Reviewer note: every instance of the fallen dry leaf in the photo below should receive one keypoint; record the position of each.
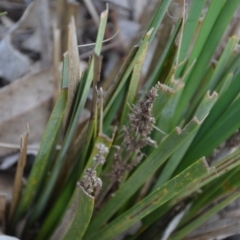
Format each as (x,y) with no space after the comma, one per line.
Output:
(30,34)
(36,18)
(27,100)
(13,64)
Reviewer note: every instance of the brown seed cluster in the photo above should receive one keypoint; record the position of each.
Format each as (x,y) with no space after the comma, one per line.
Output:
(141,120)
(118,168)
(90,181)
(136,134)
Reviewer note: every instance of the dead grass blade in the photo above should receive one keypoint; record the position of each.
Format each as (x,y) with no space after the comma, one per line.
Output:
(17,187)
(73,69)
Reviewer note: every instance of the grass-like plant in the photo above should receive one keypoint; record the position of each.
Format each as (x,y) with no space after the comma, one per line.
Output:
(140,157)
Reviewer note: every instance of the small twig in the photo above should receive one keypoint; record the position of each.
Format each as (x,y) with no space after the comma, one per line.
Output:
(108,46)
(104,41)
(101,112)
(159,130)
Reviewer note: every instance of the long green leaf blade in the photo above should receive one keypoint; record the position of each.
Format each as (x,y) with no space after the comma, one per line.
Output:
(189,30)
(72,129)
(151,202)
(209,21)
(42,161)
(175,159)
(206,54)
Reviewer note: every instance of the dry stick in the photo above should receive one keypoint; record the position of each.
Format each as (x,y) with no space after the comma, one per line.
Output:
(17,187)
(101,112)
(104,41)
(104,49)
(56,61)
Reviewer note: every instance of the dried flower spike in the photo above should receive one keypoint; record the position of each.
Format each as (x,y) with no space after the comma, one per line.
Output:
(141,119)
(141,123)
(99,158)
(118,167)
(90,179)
(136,135)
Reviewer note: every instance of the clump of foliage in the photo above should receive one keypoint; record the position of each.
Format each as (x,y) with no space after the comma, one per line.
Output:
(140,160)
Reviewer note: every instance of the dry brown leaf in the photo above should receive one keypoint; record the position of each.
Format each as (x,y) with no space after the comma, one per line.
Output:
(73,69)
(36,17)
(56,61)
(26,100)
